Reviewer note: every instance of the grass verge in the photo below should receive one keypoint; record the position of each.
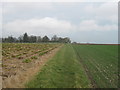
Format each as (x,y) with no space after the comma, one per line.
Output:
(62,71)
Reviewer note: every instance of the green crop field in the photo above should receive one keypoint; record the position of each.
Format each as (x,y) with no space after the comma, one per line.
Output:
(80,66)
(100,62)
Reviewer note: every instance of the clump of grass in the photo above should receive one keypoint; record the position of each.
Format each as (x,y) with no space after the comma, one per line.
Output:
(24,52)
(34,57)
(3,65)
(43,49)
(26,61)
(46,51)
(17,56)
(42,53)
(20,57)
(3,53)
(13,56)
(36,52)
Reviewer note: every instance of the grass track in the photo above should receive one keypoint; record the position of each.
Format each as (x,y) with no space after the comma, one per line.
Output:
(62,71)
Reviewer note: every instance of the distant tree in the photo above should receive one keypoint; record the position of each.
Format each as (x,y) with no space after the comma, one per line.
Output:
(67,40)
(74,42)
(60,39)
(39,39)
(32,39)
(0,40)
(54,38)
(64,40)
(3,40)
(10,39)
(20,38)
(45,39)
(25,38)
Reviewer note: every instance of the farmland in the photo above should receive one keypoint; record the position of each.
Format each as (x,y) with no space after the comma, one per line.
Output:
(100,63)
(72,66)
(80,66)
(22,56)
(62,71)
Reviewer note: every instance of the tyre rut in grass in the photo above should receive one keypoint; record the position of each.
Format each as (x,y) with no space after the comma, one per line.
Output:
(93,83)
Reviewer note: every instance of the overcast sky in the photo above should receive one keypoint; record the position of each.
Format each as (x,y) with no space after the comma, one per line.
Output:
(81,21)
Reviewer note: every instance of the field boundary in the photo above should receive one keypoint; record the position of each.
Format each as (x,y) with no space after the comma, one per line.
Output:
(94,44)
(93,83)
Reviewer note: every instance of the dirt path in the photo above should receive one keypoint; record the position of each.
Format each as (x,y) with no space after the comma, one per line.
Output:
(18,80)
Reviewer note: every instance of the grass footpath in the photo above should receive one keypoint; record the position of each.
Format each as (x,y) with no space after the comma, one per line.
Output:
(62,71)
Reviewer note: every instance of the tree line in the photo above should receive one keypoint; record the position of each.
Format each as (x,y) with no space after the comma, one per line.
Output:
(25,38)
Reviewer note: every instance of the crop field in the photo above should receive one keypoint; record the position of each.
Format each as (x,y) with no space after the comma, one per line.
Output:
(72,66)
(20,56)
(100,63)
(80,66)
